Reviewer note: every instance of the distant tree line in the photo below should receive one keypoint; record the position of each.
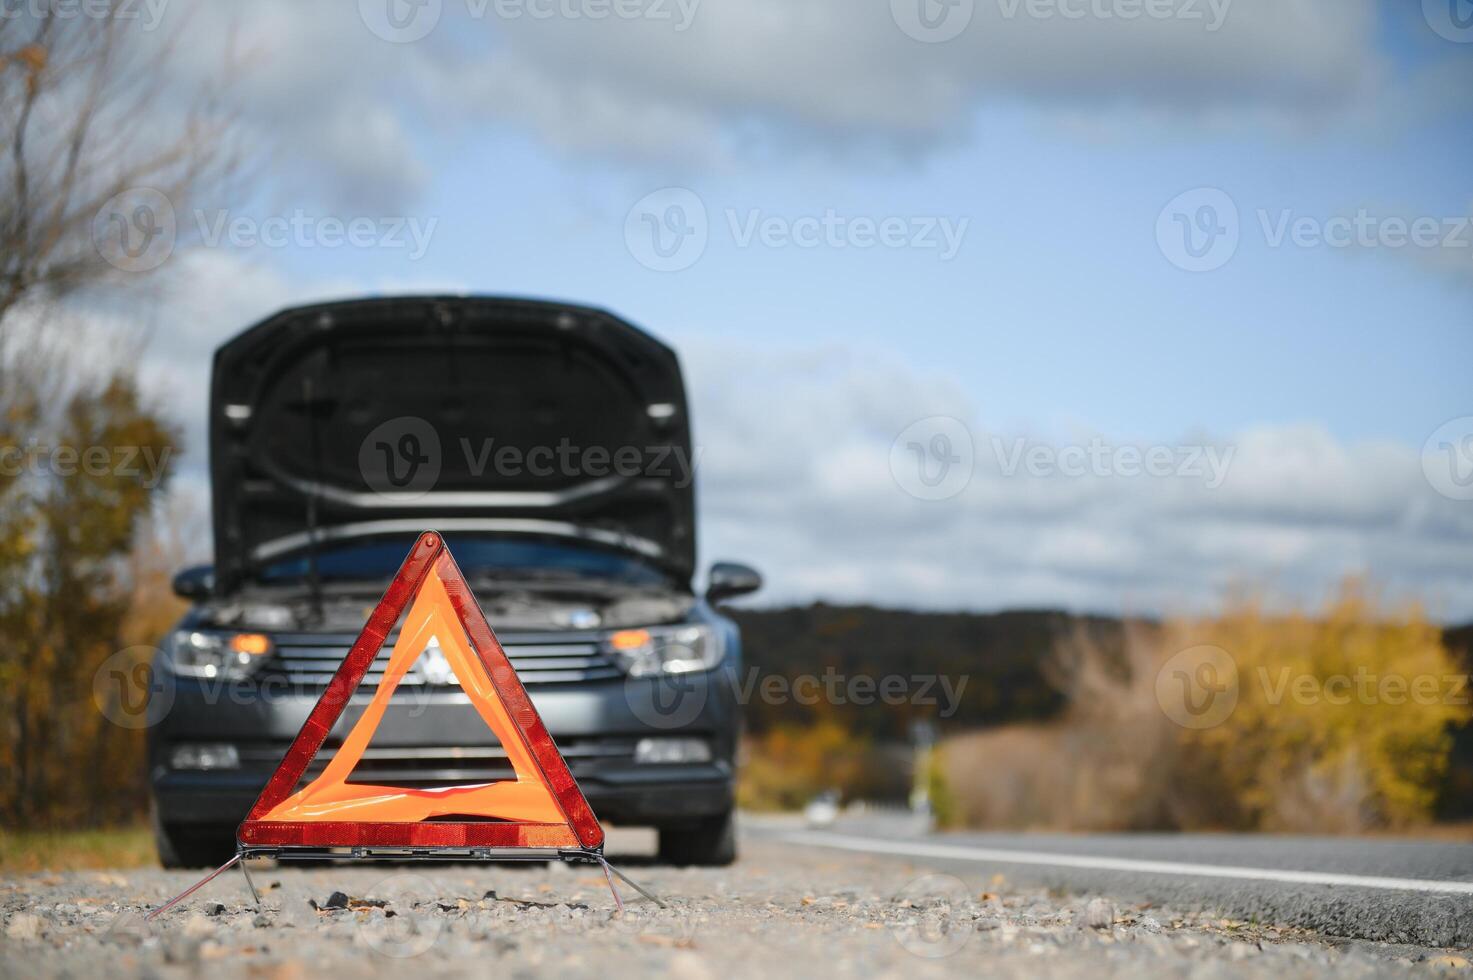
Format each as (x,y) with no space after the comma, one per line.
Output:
(1009,659)
(89,133)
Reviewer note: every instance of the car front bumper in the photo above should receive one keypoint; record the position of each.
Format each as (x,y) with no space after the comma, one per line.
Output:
(435,737)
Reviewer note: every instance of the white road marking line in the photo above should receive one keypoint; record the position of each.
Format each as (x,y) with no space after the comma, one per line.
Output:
(957,852)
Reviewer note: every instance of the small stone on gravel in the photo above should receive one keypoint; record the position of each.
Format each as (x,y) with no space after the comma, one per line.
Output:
(335,902)
(1097,913)
(23,925)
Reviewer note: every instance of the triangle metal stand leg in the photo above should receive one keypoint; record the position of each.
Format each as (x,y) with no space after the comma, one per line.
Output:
(618,902)
(610,871)
(197,886)
(255,895)
(238,861)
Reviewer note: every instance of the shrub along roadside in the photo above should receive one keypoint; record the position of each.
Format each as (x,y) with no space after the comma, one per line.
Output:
(1339,722)
(69,588)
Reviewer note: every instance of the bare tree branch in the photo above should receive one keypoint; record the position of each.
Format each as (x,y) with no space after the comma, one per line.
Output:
(87,114)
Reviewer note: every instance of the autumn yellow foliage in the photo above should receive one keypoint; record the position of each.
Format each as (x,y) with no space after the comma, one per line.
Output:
(1341,720)
(1336,721)
(74,586)
(789,765)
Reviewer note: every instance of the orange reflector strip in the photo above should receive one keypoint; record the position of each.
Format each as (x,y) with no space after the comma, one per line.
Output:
(630,639)
(255,644)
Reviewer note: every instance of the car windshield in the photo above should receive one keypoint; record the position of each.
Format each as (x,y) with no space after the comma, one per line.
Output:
(479,557)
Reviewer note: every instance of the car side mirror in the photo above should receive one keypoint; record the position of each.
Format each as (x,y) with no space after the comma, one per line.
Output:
(729,580)
(196,583)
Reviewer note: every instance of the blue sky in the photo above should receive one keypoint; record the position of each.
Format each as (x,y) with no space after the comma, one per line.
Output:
(1059,263)
(1060,318)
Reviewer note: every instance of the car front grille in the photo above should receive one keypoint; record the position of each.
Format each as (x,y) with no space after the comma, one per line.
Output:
(311,659)
(442,765)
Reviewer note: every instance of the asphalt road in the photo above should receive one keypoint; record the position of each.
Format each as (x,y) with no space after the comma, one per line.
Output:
(1387,890)
(796,904)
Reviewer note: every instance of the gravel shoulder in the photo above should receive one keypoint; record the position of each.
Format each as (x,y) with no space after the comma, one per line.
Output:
(783,910)
(1263,877)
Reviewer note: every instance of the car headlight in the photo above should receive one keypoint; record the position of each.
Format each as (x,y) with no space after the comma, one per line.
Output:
(215,654)
(665,650)
(204,757)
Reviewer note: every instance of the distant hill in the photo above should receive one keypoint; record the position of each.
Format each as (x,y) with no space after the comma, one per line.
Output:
(1457,796)
(996,660)
(1459,640)
(1002,657)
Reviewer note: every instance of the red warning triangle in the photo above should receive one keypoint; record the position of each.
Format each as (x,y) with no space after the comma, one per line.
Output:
(542,807)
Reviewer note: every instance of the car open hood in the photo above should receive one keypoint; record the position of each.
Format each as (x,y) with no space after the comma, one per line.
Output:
(397,415)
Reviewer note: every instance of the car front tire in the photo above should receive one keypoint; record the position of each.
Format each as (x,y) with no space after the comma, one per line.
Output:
(709,844)
(206,847)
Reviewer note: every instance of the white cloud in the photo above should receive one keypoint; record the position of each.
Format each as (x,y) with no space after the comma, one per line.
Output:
(321,106)
(796,478)
(316,85)
(846,72)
